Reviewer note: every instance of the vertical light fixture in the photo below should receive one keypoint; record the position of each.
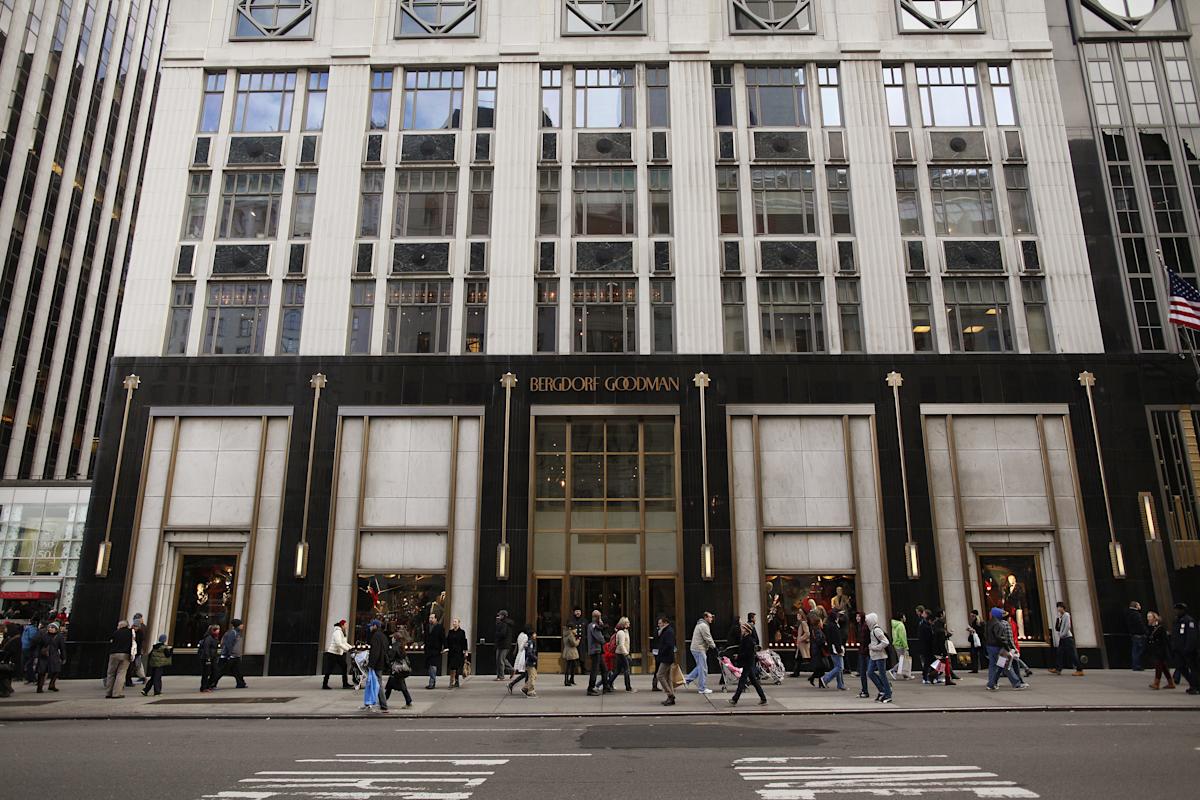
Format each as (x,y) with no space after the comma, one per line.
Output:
(1116,554)
(131,383)
(912,554)
(708,566)
(1149,520)
(503,551)
(317,382)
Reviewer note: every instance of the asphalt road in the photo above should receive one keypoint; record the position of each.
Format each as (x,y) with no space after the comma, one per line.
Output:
(1004,755)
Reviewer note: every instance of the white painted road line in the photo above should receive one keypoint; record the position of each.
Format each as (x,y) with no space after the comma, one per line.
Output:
(464,755)
(799,778)
(489,730)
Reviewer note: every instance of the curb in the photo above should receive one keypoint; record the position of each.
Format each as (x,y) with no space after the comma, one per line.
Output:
(609,714)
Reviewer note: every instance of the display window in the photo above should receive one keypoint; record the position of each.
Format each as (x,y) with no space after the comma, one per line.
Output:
(204,595)
(400,601)
(1013,582)
(789,596)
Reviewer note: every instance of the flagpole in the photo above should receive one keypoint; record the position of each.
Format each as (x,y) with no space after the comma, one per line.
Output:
(1189,338)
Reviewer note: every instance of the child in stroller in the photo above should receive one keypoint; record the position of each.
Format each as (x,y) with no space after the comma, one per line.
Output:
(768,666)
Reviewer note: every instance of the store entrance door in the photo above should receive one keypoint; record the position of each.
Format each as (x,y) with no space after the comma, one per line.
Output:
(615,596)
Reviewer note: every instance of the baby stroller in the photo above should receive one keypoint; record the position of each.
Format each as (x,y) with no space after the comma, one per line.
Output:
(770,666)
(730,674)
(358,665)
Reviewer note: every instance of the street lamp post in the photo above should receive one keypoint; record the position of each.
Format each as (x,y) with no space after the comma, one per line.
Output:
(708,565)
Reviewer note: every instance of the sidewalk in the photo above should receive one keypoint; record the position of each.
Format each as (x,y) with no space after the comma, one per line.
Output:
(481,697)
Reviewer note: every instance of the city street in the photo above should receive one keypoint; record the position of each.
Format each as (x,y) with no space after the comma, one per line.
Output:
(1017,755)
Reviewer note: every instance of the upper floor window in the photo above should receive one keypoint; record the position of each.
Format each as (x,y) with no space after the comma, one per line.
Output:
(949,96)
(264,102)
(274,19)
(425,202)
(314,111)
(605,202)
(420,18)
(214,96)
(433,99)
(604,16)
(1002,94)
(939,15)
(963,202)
(777,96)
(771,16)
(485,98)
(784,201)
(1129,16)
(604,97)
(893,92)
(250,205)
(381,99)
(552,97)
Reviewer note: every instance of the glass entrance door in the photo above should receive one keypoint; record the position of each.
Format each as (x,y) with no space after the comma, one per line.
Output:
(615,597)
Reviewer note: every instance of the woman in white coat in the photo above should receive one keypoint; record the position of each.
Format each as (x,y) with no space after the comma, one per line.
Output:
(520,673)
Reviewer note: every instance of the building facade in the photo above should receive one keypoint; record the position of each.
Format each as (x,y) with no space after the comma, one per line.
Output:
(77,80)
(651,306)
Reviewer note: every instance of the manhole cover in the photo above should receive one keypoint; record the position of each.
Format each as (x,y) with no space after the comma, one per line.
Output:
(205,701)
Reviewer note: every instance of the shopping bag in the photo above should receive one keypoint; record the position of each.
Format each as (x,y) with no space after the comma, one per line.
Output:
(676,675)
(893,658)
(371,688)
(951,650)
(1002,661)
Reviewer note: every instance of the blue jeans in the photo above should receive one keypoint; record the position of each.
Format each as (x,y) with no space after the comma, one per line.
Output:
(433,670)
(700,673)
(878,674)
(1138,647)
(836,672)
(994,669)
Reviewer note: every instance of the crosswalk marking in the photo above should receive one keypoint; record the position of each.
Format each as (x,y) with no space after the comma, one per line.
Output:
(799,778)
(428,776)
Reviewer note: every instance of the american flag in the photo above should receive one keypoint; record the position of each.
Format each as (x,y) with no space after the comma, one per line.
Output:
(1185,303)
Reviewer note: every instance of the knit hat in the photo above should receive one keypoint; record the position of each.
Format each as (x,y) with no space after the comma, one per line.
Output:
(341,622)
(997,613)
(373,623)
(162,638)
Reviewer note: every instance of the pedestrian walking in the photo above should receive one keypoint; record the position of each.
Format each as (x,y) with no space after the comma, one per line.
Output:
(502,636)
(1135,623)
(456,652)
(862,641)
(49,649)
(1000,647)
(30,631)
(531,662)
(1019,665)
(519,675)
(702,643)
(976,633)
(900,642)
(1065,653)
(821,663)
(399,667)
(803,652)
(10,658)
(377,665)
(435,645)
(1158,647)
(137,662)
(836,642)
(1186,646)
(231,655)
(120,647)
(624,663)
(925,645)
(570,655)
(157,661)
(747,655)
(877,649)
(595,640)
(335,655)
(579,626)
(664,659)
(943,647)
(206,653)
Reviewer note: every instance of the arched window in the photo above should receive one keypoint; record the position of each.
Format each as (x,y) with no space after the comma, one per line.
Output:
(274,19)
(422,18)
(939,15)
(1128,16)
(604,16)
(771,16)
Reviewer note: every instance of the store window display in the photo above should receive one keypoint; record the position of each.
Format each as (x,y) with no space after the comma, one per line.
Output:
(400,602)
(204,596)
(788,596)
(1013,582)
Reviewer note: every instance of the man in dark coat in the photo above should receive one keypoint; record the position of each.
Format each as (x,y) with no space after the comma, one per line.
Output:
(206,653)
(1135,623)
(1185,644)
(747,655)
(435,643)
(925,645)
(664,659)
(231,655)
(595,649)
(504,641)
(119,648)
(379,659)
(50,649)
(836,640)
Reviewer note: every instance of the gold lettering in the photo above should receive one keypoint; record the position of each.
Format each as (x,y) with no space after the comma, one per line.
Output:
(613,383)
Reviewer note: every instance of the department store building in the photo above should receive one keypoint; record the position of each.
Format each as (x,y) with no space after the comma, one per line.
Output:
(652,306)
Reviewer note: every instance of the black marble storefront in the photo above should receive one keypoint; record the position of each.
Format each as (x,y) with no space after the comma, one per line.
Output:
(1125,386)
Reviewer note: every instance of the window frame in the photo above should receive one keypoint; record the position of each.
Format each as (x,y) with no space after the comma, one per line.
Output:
(411,96)
(229,204)
(444,30)
(999,302)
(242,96)
(615,27)
(771,306)
(775,25)
(306,15)
(442,310)
(618,293)
(402,207)
(938,24)
(628,202)
(212,317)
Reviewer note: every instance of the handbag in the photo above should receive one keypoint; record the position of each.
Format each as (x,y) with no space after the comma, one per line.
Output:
(401,666)
(893,658)
(676,675)
(466,670)
(951,650)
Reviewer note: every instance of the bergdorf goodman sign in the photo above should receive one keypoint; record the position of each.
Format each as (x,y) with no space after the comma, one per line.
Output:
(613,383)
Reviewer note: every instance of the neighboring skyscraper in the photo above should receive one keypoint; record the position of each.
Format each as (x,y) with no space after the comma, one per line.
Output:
(445,306)
(77,81)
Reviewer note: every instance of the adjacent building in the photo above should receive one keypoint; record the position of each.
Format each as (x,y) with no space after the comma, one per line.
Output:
(76,93)
(438,308)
